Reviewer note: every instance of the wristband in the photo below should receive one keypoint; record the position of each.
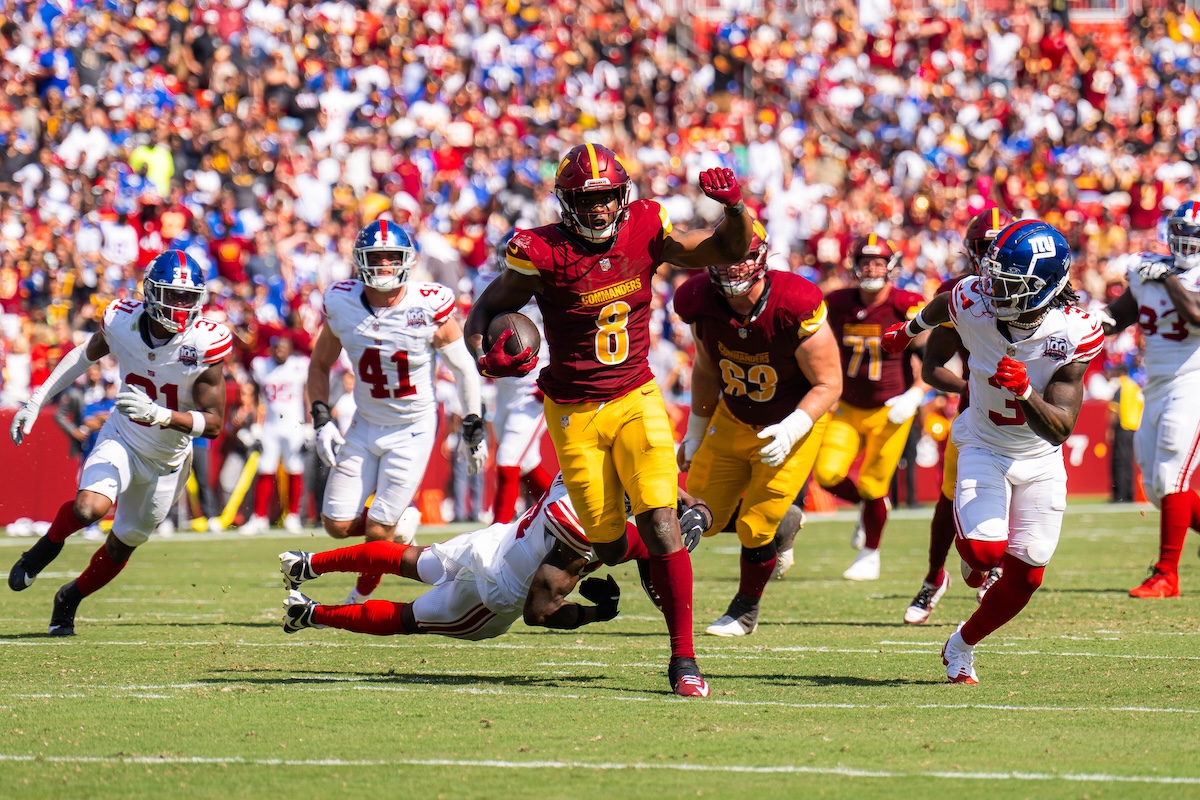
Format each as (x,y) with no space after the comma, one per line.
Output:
(736,210)
(197,423)
(320,414)
(919,321)
(1025,394)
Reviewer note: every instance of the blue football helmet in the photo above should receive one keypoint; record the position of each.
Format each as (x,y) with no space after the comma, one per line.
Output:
(1026,267)
(384,253)
(174,289)
(1183,231)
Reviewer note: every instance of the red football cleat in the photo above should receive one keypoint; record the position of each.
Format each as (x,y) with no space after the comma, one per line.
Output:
(1159,584)
(686,680)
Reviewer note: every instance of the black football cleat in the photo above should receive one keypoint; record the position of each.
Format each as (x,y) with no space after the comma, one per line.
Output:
(32,562)
(66,603)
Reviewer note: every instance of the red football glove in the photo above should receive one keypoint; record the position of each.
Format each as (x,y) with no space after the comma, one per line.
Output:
(1011,375)
(496,363)
(896,338)
(720,184)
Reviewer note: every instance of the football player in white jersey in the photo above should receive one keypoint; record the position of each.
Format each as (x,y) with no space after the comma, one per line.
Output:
(172,389)
(1029,347)
(390,327)
(483,581)
(1163,300)
(280,378)
(518,423)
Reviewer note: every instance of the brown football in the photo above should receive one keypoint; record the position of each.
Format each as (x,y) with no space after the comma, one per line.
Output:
(525,333)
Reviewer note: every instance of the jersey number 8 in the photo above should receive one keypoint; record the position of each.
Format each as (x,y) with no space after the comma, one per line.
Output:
(612,339)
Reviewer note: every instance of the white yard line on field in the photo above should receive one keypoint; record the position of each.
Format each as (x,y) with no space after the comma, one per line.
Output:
(608,766)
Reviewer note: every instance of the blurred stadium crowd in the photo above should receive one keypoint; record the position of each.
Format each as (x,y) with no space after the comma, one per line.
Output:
(259,136)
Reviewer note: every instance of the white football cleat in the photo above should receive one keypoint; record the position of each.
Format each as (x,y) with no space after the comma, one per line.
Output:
(298,612)
(406,528)
(785,539)
(959,658)
(926,601)
(785,560)
(254,526)
(355,598)
(740,619)
(215,525)
(865,566)
(291,523)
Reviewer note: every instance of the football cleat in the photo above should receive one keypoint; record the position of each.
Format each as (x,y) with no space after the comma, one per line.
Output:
(1160,584)
(297,612)
(959,658)
(784,561)
(291,523)
(926,601)
(686,679)
(741,619)
(32,562)
(406,528)
(354,598)
(643,566)
(254,526)
(989,581)
(865,566)
(66,603)
(858,539)
(785,540)
(296,566)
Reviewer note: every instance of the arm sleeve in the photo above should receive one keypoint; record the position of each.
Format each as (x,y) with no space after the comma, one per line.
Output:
(466,378)
(72,365)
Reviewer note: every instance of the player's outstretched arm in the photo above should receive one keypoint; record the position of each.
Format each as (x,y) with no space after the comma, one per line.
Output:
(1052,414)
(448,341)
(1119,314)
(899,336)
(940,347)
(509,292)
(728,243)
(70,367)
(546,605)
(1187,303)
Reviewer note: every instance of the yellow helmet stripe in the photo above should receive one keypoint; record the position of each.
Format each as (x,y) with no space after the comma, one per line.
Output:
(591,151)
(871,240)
(996,218)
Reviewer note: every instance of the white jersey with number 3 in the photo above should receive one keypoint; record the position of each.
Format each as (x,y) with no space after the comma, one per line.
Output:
(1172,345)
(166,374)
(995,419)
(391,349)
(282,387)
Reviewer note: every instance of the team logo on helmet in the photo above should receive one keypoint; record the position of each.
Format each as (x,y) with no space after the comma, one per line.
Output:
(1183,231)
(1026,267)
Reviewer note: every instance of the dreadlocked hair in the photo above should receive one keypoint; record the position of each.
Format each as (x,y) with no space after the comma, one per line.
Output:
(1067,297)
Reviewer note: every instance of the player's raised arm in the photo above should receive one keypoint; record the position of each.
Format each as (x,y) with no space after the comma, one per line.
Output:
(729,242)
(546,605)
(510,291)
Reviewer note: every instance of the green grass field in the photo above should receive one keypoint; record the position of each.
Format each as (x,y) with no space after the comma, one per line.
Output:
(181,683)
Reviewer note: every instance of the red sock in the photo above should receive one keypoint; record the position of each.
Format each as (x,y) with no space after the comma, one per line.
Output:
(295,492)
(672,578)
(367,583)
(1173,521)
(65,523)
(1195,498)
(981,555)
(262,494)
(846,490)
(377,617)
(538,481)
(637,548)
(874,518)
(941,538)
(508,486)
(99,572)
(380,557)
(1004,600)
(755,574)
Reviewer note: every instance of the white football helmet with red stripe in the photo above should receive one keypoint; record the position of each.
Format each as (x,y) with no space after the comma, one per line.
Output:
(384,253)
(174,290)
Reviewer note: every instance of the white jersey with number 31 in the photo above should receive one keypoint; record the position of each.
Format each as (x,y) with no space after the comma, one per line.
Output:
(391,349)
(166,374)
(995,419)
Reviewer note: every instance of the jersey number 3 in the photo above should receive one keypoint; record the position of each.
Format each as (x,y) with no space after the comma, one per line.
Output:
(370,371)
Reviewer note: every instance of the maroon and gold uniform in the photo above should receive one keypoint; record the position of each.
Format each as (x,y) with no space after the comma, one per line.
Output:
(603,409)
(761,383)
(871,378)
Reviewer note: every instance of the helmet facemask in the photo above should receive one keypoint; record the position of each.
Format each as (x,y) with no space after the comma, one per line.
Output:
(1009,295)
(875,283)
(384,268)
(1184,241)
(173,307)
(581,217)
(738,279)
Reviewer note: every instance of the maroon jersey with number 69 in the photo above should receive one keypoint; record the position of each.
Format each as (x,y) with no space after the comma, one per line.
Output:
(871,376)
(761,382)
(595,304)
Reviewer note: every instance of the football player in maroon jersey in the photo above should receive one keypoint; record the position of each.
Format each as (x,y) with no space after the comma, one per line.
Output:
(940,347)
(766,368)
(880,395)
(591,275)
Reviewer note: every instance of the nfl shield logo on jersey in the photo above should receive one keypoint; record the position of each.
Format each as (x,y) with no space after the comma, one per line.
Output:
(1056,348)
(189,356)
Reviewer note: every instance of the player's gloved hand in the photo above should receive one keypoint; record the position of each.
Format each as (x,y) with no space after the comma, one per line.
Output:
(1011,375)
(903,407)
(783,437)
(23,421)
(696,428)
(606,594)
(472,444)
(329,439)
(496,363)
(137,405)
(694,522)
(896,338)
(720,184)
(1156,267)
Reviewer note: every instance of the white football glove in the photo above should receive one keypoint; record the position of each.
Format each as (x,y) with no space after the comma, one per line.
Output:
(476,456)
(697,426)
(1155,269)
(903,407)
(23,421)
(784,436)
(137,405)
(329,439)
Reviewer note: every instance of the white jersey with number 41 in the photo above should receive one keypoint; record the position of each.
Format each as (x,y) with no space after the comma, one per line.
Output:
(391,349)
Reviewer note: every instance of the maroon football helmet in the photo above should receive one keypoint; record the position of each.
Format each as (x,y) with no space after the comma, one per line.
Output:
(590,176)
(737,279)
(981,232)
(866,249)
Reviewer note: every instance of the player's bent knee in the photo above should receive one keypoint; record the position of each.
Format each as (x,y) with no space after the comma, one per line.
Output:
(91,507)
(981,554)
(338,529)
(1023,576)
(1038,554)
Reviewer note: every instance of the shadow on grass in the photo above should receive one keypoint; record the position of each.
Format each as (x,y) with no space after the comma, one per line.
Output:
(834,680)
(324,678)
